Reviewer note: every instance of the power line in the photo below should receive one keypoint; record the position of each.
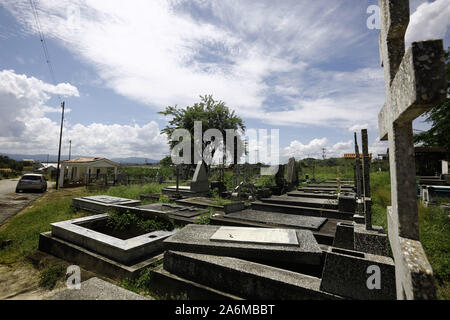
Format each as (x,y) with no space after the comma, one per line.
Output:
(52,74)
(43,43)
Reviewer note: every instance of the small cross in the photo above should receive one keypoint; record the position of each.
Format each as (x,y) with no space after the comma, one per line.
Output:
(415,82)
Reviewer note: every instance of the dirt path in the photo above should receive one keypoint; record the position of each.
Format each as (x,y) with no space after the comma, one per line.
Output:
(11,202)
(21,282)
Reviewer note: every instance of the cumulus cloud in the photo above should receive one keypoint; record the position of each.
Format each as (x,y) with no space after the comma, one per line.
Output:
(168,52)
(358,127)
(314,149)
(24,127)
(431,20)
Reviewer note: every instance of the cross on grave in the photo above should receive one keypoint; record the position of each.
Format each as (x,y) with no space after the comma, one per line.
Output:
(415,82)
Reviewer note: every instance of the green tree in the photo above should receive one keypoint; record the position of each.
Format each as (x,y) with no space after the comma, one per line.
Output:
(439,116)
(213,115)
(166,161)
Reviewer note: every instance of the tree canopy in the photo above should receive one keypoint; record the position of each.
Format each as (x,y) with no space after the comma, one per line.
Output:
(439,116)
(212,113)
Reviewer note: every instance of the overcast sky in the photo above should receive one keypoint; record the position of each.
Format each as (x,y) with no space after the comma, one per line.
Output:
(308,68)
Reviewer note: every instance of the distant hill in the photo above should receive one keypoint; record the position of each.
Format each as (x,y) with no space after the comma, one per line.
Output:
(54,158)
(134,160)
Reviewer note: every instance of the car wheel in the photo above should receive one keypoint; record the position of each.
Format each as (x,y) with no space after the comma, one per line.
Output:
(18,190)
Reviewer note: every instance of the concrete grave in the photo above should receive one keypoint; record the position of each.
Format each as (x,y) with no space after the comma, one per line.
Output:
(256,235)
(102,203)
(197,239)
(415,81)
(278,219)
(81,232)
(169,208)
(255,280)
(204,202)
(347,274)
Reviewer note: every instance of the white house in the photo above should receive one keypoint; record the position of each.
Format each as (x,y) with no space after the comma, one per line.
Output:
(78,169)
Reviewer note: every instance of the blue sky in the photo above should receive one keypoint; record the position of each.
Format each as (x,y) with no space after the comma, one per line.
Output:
(308,68)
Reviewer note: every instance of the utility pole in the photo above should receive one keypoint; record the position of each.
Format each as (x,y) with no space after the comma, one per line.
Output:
(324,154)
(59,149)
(70,148)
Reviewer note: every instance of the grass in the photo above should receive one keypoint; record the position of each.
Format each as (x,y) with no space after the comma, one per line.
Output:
(134,191)
(434,227)
(24,228)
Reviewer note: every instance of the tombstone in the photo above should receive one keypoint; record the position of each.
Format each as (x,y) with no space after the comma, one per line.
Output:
(415,82)
(200,181)
(292,174)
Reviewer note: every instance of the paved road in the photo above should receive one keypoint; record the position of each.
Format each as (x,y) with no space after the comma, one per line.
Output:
(11,202)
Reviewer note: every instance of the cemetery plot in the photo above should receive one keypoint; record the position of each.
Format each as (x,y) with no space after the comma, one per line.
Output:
(244,279)
(127,249)
(197,239)
(278,219)
(306,202)
(173,209)
(221,204)
(102,203)
(256,235)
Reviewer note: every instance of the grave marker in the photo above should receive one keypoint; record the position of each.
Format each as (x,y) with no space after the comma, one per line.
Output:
(415,82)
(200,180)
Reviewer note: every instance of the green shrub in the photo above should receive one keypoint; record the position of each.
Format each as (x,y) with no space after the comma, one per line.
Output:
(50,276)
(123,219)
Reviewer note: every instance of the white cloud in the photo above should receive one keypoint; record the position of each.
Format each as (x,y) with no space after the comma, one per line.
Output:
(314,149)
(168,52)
(25,129)
(297,149)
(431,20)
(358,127)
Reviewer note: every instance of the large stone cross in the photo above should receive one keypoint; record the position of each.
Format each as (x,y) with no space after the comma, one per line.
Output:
(415,82)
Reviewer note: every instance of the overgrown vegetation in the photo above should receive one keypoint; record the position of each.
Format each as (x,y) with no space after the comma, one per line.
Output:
(121,220)
(205,218)
(23,229)
(50,276)
(133,191)
(434,227)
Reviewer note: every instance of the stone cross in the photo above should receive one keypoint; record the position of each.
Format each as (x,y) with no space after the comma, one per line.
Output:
(415,82)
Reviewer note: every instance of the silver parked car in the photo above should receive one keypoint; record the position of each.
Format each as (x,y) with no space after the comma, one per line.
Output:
(32,182)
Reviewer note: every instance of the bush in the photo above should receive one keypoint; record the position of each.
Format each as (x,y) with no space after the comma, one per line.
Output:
(121,220)
(50,276)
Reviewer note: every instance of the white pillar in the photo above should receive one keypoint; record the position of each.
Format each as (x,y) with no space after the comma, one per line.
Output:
(115,174)
(444,167)
(69,173)
(61,177)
